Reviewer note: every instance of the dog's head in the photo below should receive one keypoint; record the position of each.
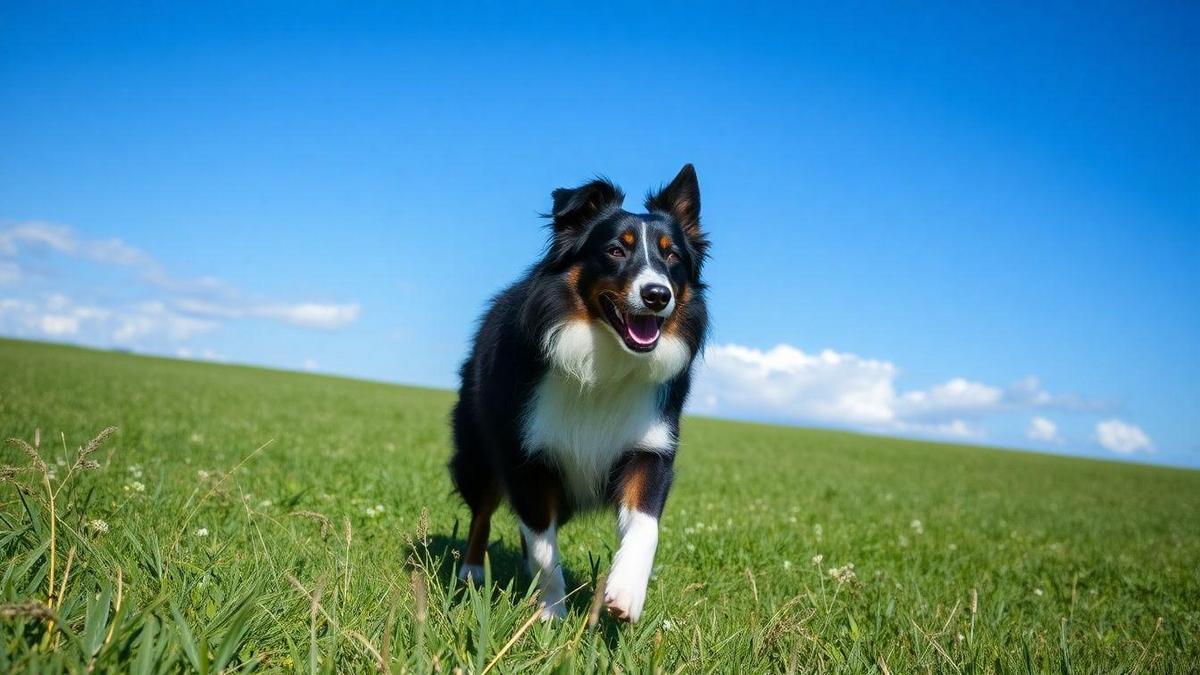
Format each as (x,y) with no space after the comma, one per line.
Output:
(634,273)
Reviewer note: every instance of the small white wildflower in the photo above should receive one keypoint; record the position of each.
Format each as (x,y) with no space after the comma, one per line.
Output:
(791,519)
(818,531)
(371,512)
(135,486)
(691,547)
(265,503)
(787,564)
(903,540)
(60,461)
(1038,592)
(98,526)
(667,625)
(135,470)
(195,437)
(202,474)
(918,527)
(818,559)
(202,532)
(953,547)
(379,508)
(842,574)
(961,637)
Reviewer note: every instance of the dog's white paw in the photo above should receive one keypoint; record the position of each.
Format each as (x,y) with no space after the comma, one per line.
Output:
(471,573)
(625,594)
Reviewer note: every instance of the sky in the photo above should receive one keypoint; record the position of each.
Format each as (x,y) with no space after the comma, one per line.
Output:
(964,222)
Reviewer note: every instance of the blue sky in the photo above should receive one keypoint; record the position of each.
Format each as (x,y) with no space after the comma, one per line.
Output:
(974,223)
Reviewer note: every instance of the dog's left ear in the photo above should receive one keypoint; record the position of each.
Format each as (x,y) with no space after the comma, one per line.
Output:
(681,200)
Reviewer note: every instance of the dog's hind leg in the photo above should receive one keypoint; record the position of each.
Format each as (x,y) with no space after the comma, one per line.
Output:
(477,483)
(481,528)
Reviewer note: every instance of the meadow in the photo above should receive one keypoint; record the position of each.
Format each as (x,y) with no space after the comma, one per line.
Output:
(245,519)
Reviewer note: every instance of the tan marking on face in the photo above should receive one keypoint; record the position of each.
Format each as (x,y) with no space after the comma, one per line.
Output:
(604,286)
(627,238)
(579,309)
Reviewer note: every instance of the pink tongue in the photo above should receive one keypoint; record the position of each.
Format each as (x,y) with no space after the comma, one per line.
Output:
(643,329)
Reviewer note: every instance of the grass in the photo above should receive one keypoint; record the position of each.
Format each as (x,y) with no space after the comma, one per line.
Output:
(781,548)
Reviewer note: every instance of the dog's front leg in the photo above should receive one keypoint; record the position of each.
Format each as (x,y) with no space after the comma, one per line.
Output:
(536,494)
(641,482)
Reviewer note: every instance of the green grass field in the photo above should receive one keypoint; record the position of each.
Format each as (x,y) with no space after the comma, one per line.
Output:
(246,519)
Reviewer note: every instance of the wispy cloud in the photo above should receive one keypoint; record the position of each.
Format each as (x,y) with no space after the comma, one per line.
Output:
(830,387)
(304,314)
(180,308)
(60,317)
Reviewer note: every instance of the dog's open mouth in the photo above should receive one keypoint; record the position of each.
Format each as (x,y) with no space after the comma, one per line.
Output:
(640,332)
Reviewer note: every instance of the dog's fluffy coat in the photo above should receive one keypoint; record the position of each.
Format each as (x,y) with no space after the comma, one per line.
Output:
(571,397)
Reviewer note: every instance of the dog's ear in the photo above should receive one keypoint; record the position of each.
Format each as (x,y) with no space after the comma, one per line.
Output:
(681,200)
(574,208)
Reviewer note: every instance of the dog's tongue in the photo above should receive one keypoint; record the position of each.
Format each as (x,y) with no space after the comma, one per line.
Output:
(643,329)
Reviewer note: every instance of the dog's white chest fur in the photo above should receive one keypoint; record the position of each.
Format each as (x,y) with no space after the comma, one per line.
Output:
(597,402)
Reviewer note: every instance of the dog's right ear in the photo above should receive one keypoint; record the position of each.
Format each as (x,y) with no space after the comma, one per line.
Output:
(575,208)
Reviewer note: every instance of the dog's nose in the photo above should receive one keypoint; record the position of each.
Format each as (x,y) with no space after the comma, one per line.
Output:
(656,297)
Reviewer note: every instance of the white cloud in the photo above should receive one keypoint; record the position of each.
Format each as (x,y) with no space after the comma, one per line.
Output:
(202,355)
(310,314)
(1042,429)
(787,384)
(957,395)
(117,252)
(155,318)
(956,428)
(59,324)
(58,316)
(1122,438)
(197,302)
(38,234)
(307,314)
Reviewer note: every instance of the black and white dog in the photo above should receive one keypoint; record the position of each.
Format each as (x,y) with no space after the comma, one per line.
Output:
(572,394)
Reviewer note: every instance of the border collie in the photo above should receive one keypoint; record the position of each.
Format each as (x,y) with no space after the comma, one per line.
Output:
(572,394)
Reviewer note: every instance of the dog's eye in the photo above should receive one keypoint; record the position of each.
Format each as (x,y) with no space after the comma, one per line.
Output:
(672,257)
(616,251)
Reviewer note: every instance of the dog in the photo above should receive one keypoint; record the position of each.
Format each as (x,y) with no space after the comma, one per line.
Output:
(572,394)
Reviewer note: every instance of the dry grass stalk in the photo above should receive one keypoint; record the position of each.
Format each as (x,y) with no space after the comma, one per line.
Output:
(94,444)
(326,524)
(420,595)
(32,451)
(27,610)
(537,614)
(379,662)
